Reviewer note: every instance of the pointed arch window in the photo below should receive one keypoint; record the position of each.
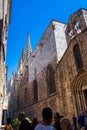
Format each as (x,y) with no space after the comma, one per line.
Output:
(50,76)
(77,56)
(35,87)
(25,95)
(18,102)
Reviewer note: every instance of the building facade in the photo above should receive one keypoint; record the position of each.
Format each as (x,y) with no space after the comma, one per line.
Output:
(55,73)
(5,12)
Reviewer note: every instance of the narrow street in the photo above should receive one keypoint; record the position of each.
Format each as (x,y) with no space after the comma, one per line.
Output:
(45,66)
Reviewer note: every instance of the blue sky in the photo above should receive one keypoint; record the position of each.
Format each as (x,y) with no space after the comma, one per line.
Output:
(34,16)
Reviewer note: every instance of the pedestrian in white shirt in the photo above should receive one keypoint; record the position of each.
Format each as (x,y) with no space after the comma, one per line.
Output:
(47,119)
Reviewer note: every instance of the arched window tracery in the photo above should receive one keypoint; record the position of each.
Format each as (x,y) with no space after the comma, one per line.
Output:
(50,77)
(77,56)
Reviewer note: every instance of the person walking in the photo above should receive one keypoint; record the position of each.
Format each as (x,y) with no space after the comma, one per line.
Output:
(65,124)
(25,125)
(81,120)
(85,120)
(15,123)
(57,121)
(47,119)
(8,125)
(74,120)
(34,123)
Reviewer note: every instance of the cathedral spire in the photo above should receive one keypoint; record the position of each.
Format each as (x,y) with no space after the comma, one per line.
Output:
(22,54)
(28,49)
(12,78)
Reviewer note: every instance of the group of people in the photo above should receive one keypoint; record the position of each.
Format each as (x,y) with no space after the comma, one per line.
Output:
(60,122)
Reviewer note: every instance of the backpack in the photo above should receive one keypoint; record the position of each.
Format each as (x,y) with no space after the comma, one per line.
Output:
(8,127)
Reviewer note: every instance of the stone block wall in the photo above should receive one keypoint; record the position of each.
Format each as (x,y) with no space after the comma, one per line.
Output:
(47,49)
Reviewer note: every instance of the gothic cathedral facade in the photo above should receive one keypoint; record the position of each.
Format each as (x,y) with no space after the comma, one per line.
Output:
(55,73)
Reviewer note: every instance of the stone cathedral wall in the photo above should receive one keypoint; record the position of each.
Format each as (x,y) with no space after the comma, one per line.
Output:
(45,53)
(65,70)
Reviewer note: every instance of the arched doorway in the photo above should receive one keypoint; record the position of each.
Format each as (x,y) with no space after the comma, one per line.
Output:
(79,89)
(85,93)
